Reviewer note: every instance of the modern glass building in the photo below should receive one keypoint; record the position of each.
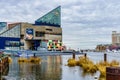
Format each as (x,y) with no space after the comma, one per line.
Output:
(45,33)
(53,18)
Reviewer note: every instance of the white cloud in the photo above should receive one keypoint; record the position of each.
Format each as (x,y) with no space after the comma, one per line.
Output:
(85,23)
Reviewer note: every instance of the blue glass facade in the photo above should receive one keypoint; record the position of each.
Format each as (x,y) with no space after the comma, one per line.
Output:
(9,42)
(10,39)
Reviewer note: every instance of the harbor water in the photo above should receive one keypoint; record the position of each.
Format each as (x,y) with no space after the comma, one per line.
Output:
(54,68)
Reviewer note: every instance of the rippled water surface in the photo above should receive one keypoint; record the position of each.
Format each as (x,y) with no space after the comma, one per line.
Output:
(53,68)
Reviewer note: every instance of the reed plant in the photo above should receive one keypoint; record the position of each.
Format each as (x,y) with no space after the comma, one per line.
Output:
(31,59)
(22,59)
(9,59)
(89,67)
(85,63)
(72,62)
(34,59)
(103,64)
(114,63)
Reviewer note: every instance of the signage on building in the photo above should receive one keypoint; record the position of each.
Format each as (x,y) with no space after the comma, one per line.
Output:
(54,44)
(29,33)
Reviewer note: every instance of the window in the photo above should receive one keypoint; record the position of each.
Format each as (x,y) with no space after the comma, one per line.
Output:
(49,29)
(12,43)
(22,36)
(39,34)
(22,43)
(7,43)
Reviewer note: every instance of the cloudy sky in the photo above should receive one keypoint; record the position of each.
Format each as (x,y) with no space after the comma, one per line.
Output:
(85,23)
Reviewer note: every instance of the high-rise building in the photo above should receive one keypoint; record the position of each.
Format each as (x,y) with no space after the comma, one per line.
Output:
(46,32)
(115,38)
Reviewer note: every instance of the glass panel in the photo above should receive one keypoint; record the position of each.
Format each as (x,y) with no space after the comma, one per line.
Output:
(14,32)
(52,18)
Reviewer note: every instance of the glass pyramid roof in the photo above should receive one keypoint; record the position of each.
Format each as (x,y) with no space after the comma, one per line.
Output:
(52,18)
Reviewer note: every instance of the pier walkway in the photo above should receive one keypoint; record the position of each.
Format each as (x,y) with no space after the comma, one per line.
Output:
(41,53)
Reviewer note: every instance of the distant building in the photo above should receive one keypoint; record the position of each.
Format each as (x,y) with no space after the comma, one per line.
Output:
(115,43)
(45,33)
(102,47)
(115,38)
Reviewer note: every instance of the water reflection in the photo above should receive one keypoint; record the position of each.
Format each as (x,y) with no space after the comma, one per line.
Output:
(102,77)
(84,73)
(53,68)
(48,69)
(74,73)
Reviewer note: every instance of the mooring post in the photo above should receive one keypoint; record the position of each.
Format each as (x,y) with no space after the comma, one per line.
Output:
(105,57)
(85,55)
(34,55)
(73,54)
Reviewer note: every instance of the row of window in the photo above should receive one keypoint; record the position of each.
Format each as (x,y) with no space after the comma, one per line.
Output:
(12,48)
(12,43)
(39,34)
(42,34)
(49,29)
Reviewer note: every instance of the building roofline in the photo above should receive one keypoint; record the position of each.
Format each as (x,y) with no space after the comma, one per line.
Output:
(41,21)
(8,29)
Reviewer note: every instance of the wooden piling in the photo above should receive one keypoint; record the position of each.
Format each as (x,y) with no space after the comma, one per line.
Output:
(105,57)
(85,55)
(73,55)
(113,73)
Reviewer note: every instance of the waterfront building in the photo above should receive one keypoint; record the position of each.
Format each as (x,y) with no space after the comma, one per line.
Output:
(115,43)
(46,33)
(102,47)
(115,38)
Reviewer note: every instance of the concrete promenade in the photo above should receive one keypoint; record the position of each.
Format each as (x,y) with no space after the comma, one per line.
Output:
(41,53)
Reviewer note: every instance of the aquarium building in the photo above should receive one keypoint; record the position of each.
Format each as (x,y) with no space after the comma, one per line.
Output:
(46,33)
